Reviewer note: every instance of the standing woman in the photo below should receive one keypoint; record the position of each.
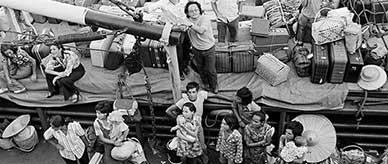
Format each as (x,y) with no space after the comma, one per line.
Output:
(63,69)
(69,138)
(257,136)
(190,150)
(17,64)
(201,36)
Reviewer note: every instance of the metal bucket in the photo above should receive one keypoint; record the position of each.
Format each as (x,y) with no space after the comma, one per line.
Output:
(26,139)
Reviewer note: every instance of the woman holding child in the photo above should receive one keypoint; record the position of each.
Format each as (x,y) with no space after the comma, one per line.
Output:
(189,147)
(292,144)
(110,130)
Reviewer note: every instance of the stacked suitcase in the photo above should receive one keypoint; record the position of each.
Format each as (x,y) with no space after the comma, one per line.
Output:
(153,54)
(338,61)
(320,64)
(236,58)
(354,66)
(332,63)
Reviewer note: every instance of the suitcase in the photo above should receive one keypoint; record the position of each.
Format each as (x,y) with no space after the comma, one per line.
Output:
(379,7)
(354,66)
(320,63)
(39,18)
(153,54)
(338,62)
(236,57)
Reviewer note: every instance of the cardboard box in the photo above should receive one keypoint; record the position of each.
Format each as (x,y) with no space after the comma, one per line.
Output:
(253,11)
(275,36)
(260,27)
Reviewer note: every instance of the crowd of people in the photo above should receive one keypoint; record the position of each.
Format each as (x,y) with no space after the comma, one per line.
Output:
(244,136)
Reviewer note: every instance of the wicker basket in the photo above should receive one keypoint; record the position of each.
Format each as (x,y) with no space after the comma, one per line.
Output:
(272,69)
(352,154)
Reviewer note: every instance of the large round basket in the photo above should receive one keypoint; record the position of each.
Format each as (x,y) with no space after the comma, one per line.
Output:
(5,143)
(26,139)
(352,154)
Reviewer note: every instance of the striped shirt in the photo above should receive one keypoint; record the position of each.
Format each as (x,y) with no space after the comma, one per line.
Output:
(73,146)
(231,147)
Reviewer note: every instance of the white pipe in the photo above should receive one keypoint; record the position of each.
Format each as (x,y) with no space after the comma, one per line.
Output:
(49,8)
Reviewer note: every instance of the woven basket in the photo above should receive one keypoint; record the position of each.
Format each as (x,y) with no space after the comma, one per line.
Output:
(347,158)
(272,69)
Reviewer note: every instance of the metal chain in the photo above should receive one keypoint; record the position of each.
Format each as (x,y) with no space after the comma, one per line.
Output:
(148,87)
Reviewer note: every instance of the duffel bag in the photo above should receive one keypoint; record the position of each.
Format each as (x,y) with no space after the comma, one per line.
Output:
(301,62)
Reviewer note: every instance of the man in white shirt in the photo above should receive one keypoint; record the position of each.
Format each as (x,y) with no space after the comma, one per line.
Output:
(227,12)
(197,97)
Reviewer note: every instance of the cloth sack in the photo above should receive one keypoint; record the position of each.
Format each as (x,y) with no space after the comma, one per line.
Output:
(124,151)
(353,37)
(327,29)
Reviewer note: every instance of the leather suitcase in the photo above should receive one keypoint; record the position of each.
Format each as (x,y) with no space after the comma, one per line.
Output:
(354,66)
(223,61)
(338,62)
(236,57)
(320,64)
(380,7)
(153,54)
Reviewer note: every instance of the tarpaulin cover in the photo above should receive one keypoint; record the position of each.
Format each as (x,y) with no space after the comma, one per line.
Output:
(100,84)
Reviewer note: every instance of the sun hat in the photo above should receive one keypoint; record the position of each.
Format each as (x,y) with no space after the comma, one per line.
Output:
(16,126)
(372,77)
(320,135)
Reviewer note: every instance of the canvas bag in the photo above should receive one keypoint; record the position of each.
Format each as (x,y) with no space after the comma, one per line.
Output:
(327,29)
(302,62)
(353,37)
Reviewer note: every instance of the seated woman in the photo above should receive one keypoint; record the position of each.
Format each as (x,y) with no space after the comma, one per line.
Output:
(63,68)
(17,64)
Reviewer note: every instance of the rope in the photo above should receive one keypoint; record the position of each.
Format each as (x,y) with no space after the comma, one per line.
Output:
(360,113)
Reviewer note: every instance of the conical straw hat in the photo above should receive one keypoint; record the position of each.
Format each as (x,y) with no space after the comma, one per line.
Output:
(320,134)
(16,126)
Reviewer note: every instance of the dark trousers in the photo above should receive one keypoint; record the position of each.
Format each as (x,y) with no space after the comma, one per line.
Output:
(183,52)
(206,63)
(231,26)
(66,84)
(83,160)
(49,78)
(303,33)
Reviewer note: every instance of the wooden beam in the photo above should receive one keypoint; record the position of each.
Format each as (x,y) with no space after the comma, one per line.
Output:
(43,118)
(172,61)
(282,123)
(12,17)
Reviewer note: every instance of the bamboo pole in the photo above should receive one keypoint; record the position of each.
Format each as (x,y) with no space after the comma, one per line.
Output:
(172,61)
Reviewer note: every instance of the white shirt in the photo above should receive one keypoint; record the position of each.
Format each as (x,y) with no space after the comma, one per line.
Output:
(97,127)
(173,13)
(198,103)
(228,8)
(73,146)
